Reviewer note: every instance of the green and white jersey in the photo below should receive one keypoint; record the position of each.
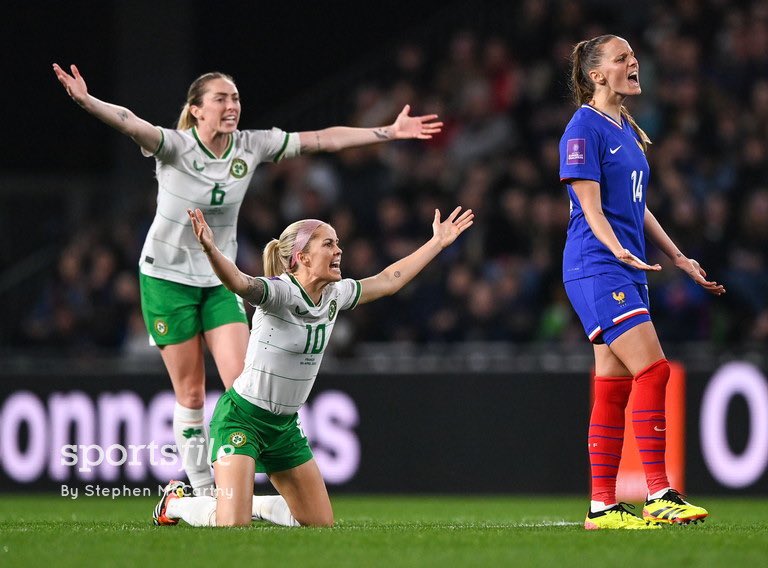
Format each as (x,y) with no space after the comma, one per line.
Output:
(189,175)
(288,338)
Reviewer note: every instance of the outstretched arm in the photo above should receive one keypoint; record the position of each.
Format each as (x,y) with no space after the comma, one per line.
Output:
(659,237)
(399,273)
(588,192)
(249,288)
(339,137)
(119,118)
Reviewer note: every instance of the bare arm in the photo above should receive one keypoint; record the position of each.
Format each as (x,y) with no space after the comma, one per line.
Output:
(119,118)
(339,137)
(588,193)
(249,288)
(659,237)
(399,273)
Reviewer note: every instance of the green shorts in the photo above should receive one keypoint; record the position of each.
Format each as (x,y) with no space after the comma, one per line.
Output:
(275,442)
(176,312)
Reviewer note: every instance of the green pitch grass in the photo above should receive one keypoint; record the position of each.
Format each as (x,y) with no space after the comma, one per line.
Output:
(53,531)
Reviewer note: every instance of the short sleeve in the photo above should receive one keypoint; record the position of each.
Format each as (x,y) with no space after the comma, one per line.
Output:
(349,293)
(580,154)
(272,145)
(277,293)
(170,142)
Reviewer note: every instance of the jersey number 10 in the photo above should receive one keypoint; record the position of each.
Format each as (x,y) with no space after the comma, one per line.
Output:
(319,339)
(637,186)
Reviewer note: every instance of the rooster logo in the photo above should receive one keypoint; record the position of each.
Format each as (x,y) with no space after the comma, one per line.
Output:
(619,297)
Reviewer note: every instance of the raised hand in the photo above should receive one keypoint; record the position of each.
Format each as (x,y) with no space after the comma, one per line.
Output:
(447,231)
(202,230)
(693,269)
(627,257)
(74,84)
(421,127)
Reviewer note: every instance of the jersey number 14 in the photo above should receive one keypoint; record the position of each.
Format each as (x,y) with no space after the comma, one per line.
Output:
(637,186)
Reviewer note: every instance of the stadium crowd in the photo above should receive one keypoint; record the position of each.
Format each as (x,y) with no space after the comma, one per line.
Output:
(704,74)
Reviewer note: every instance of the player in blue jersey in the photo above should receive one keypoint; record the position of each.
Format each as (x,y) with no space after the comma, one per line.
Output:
(603,165)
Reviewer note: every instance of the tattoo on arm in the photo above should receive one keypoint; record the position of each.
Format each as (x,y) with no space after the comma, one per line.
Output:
(397,274)
(317,140)
(255,292)
(381,133)
(122,115)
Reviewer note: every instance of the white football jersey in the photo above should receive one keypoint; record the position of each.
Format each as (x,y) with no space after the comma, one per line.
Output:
(288,338)
(189,175)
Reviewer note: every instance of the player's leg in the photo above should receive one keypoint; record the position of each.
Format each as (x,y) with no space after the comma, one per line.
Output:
(172,316)
(225,328)
(305,493)
(234,489)
(639,349)
(185,365)
(612,387)
(177,503)
(228,344)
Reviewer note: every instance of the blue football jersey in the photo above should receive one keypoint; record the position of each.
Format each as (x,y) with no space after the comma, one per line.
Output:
(595,147)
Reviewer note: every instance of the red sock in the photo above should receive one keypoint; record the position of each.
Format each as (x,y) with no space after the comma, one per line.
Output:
(650,423)
(606,435)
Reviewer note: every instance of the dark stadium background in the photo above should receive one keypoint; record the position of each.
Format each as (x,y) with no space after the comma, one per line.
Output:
(298,66)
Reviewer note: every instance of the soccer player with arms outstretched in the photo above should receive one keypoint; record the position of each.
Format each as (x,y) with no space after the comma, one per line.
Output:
(207,162)
(603,164)
(255,424)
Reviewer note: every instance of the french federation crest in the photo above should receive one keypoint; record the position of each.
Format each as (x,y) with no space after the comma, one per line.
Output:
(239,168)
(619,297)
(332,310)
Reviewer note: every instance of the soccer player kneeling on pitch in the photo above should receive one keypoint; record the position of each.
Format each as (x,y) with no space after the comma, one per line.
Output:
(255,426)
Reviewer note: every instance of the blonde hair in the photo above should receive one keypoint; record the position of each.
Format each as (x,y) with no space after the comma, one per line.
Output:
(279,252)
(586,56)
(195,98)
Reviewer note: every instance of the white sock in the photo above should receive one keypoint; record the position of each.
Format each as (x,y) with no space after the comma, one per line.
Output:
(197,511)
(658,493)
(599,506)
(274,509)
(192,444)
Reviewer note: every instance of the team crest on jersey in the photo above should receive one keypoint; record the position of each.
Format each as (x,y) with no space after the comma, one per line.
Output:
(238,439)
(332,310)
(575,151)
(619,297)
(161,327)
(239,168)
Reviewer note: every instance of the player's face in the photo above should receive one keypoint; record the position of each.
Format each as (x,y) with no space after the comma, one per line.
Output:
(325,254)
(619,68)
(220,110)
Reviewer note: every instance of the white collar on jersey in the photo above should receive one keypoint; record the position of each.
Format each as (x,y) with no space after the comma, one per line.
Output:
(601,113)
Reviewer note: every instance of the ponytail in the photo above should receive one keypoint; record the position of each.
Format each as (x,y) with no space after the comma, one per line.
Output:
(644,138)
(273,263)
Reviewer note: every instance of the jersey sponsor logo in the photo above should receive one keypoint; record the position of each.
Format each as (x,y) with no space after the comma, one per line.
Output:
(575,151)
(619,297)
(161,327)
(614,150)
(239,168)
(300,313)
(198,168)
(238,439)
(332,310)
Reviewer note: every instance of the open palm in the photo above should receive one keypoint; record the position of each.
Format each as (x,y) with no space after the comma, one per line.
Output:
(447,231)
(421,127)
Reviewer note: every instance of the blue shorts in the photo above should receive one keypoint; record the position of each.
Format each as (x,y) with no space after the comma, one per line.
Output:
(608,305)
